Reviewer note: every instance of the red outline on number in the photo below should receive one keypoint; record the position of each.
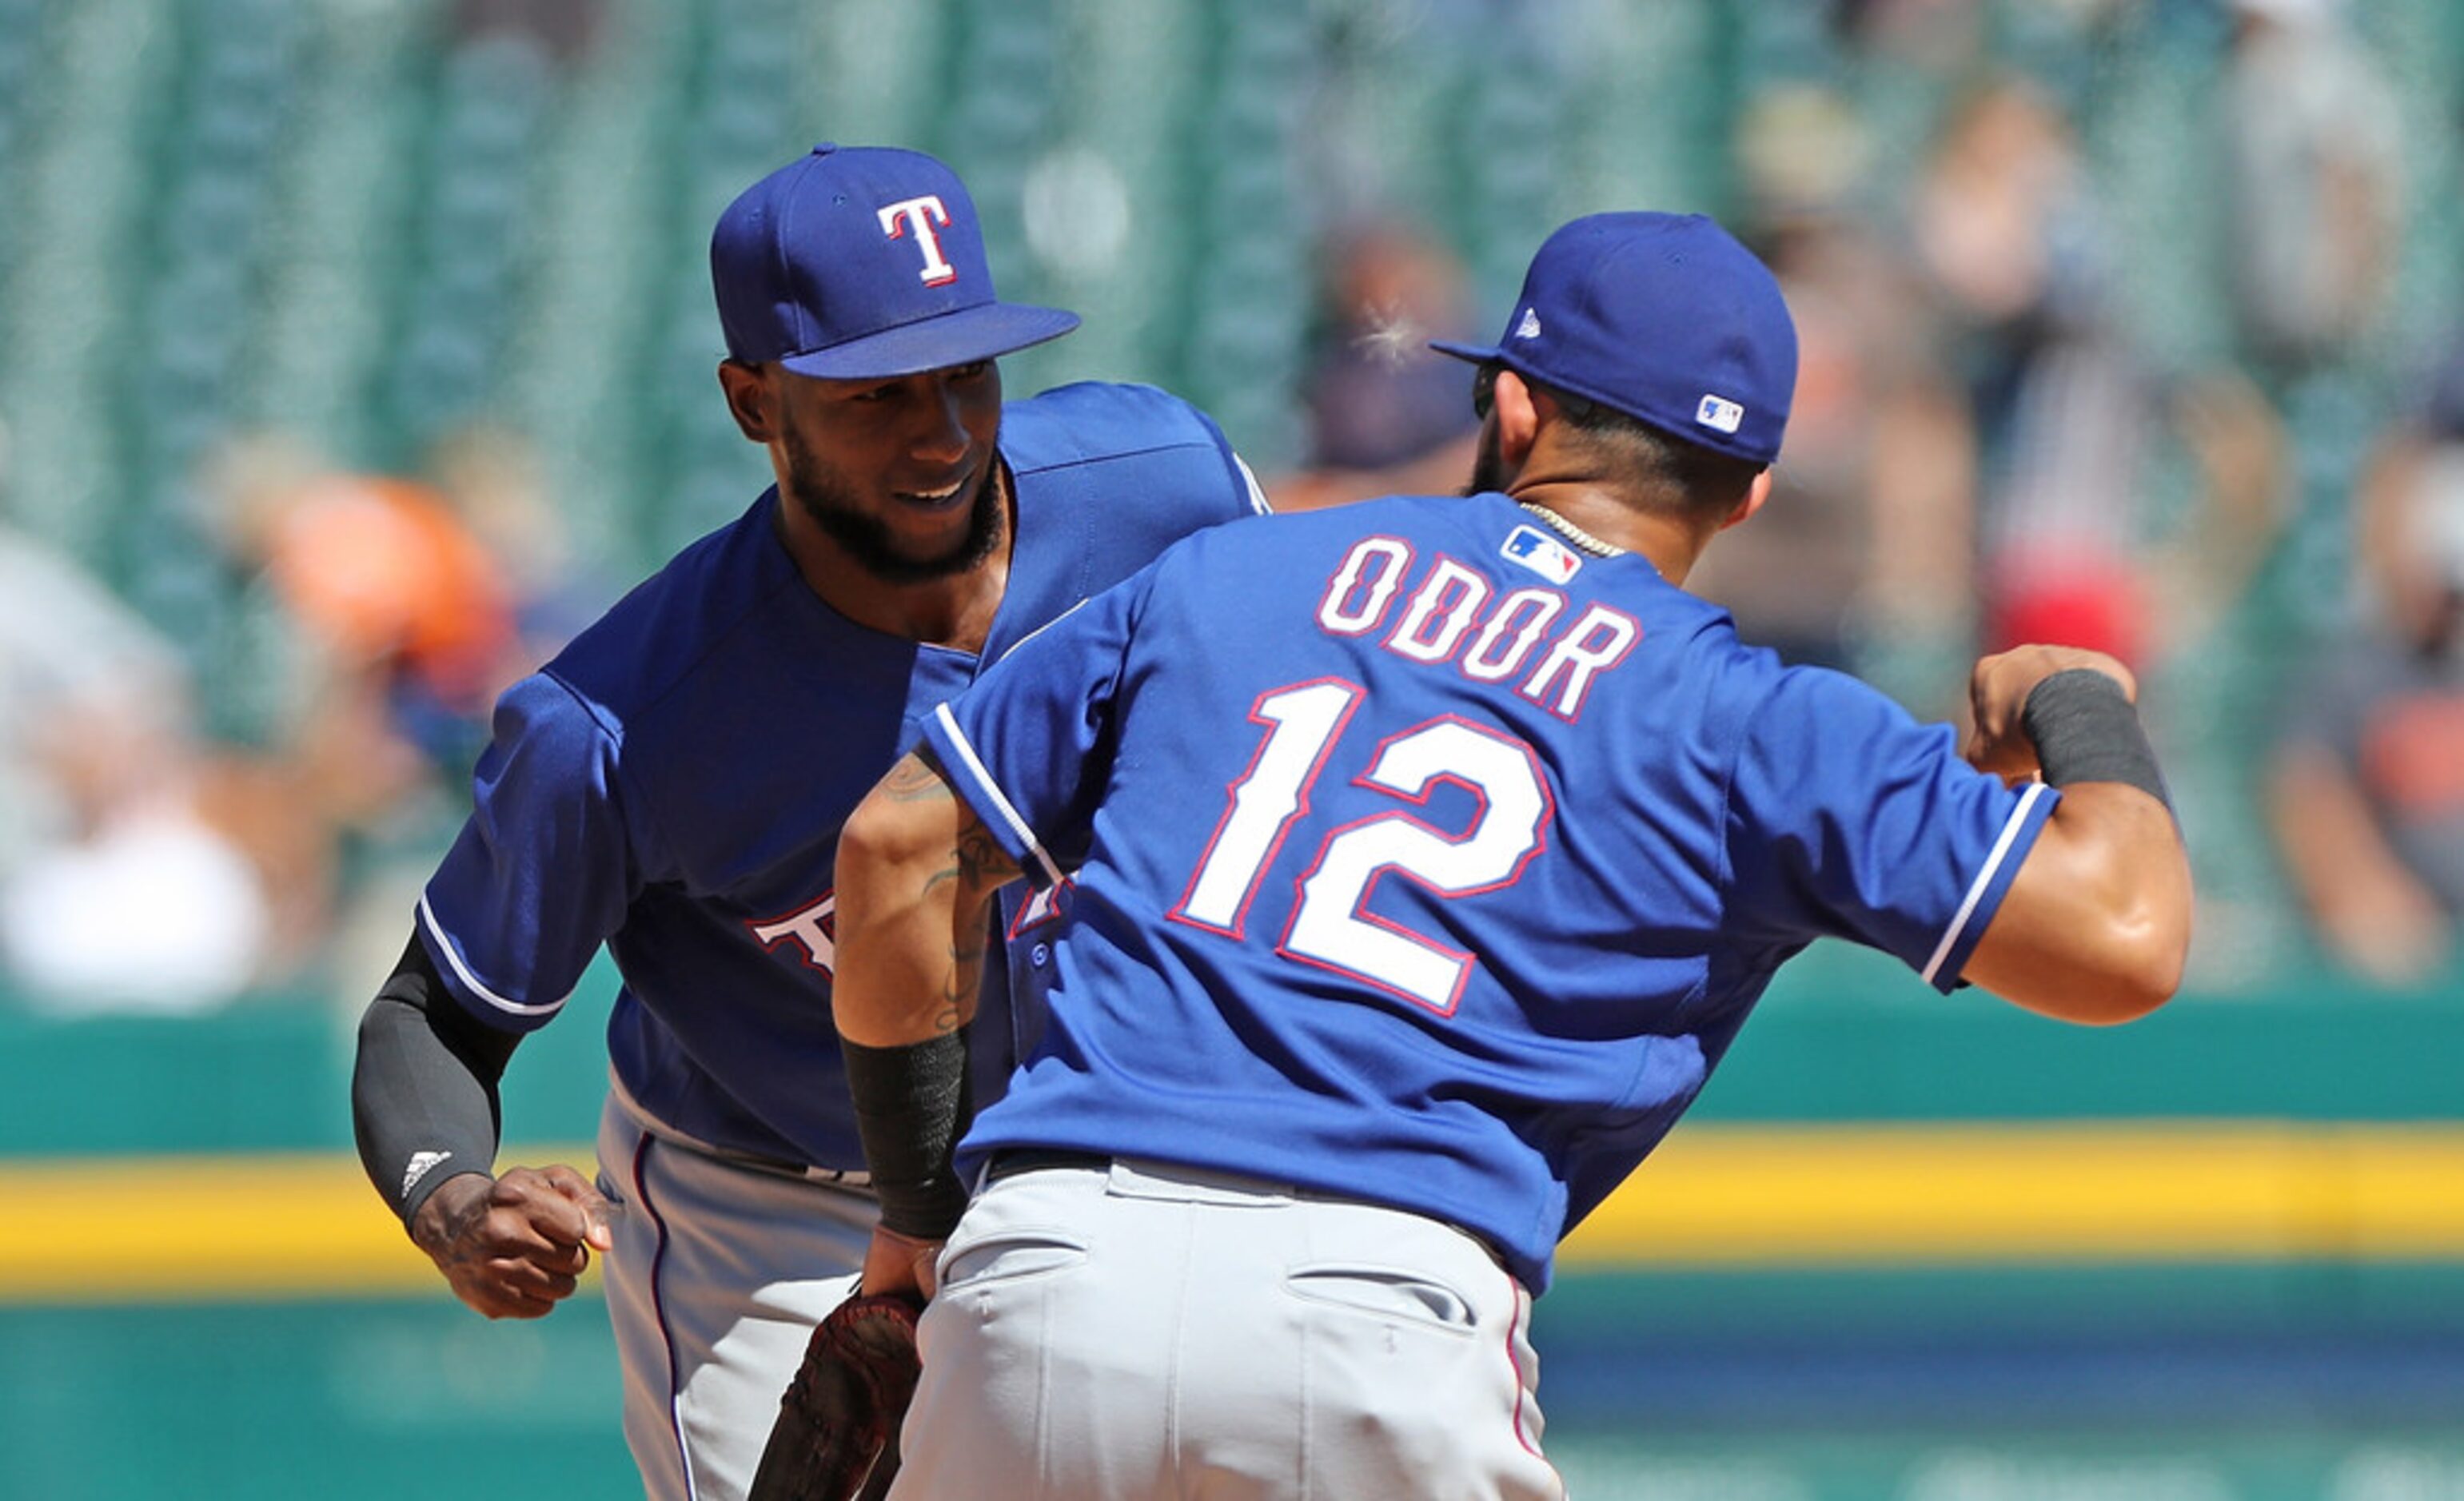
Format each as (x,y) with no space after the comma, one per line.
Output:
(1360,913)
(1180,912)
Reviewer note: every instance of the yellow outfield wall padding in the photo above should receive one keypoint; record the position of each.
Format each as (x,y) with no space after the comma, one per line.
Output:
(1794,1197)
(1984,1193)
(272,1227)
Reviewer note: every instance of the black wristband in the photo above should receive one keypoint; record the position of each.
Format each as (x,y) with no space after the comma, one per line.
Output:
(912,1105)
(2085,729)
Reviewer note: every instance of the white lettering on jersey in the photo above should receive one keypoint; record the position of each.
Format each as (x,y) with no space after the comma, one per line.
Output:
(1486,663)
(1452,605)
(1449,600)
(921,214)
(1364,586)
(1600,640)
(815,928)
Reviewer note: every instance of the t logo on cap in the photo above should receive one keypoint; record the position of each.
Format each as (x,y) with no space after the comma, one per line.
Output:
(922,213)
(815,267)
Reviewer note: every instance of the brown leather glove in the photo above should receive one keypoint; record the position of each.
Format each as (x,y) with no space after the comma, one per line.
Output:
(837,1434)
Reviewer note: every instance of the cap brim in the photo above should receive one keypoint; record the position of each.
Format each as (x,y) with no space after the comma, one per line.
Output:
(954,339)
(1477,353)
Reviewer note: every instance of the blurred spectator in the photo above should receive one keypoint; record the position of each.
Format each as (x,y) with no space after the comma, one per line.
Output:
(567,29)
(1386,413)
(490,477)
(2315,156)
(399,623)
(352,681)
(1869,563)
(123,884)
(2070,419)
(2367,789)
(139,900)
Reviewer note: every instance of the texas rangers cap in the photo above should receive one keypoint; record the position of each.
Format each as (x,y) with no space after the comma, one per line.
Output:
(1665,317)
(864,262)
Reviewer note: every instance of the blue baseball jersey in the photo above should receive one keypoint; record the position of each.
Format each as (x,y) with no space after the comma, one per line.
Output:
(1422,860)
(673,783)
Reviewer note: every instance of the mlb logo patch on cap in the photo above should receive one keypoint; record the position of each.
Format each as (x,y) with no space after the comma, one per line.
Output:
(1714,411)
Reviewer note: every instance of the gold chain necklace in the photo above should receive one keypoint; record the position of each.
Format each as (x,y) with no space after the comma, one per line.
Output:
(1572,532)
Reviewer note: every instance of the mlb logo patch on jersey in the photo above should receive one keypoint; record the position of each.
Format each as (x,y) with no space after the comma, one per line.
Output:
(1542,554)
(1716,411)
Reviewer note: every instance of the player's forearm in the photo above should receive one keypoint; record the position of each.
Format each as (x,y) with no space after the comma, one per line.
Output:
(423,1105)
(2096,926)
(914,888)
(915,883)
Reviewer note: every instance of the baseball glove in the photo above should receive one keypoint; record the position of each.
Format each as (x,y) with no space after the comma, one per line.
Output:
(837,1433)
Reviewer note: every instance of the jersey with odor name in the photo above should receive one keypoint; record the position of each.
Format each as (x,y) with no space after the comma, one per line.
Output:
(1422,860)
(673,784)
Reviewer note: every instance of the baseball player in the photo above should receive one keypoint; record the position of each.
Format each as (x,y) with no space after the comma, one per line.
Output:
(1428,854)
(673,785)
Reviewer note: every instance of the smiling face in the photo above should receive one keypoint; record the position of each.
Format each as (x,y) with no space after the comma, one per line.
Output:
(898,472)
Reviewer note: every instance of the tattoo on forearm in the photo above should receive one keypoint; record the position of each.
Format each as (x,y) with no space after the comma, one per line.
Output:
(977,867)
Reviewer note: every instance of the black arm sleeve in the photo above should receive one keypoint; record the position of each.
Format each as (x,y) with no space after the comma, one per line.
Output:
(423,1090)
(912,1105)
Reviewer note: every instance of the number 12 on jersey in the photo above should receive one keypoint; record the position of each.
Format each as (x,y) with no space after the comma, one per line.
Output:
(1330,926)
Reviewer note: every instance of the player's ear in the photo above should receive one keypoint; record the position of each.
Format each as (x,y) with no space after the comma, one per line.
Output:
(748,399)
(1517,418)
(1757,491)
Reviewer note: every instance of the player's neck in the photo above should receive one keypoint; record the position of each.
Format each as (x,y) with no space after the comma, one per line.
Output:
(1597,511)
(955,609)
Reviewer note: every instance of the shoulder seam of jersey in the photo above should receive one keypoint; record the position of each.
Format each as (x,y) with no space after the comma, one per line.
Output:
(748,608)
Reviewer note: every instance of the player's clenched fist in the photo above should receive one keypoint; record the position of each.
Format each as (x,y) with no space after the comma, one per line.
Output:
(1998,696)
(512,1247)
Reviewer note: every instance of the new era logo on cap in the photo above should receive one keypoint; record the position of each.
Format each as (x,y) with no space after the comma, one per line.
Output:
(1530,327)
(1716,412)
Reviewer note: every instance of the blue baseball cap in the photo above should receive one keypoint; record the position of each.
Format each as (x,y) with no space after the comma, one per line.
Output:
(859,263)
(1665,317)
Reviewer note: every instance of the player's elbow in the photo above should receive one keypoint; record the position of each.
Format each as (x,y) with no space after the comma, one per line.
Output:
(2134,962)
(2142,969)
(2095,953)
(907,837)
(882,834)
